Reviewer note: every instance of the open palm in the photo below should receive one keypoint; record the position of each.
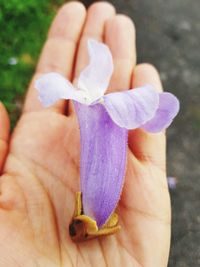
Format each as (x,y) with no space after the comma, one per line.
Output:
(39,163)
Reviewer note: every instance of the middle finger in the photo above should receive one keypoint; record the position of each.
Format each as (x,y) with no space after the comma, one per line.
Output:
(97,16)
(120,37)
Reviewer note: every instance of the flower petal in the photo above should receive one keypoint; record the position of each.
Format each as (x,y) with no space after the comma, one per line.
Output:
(53,86)
(103,161)
(167,110)
(95,78)
(131,109)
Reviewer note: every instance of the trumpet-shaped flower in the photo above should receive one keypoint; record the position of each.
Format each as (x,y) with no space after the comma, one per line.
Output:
(104,121)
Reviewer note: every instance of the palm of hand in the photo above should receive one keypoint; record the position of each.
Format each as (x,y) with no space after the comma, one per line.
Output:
(39,181)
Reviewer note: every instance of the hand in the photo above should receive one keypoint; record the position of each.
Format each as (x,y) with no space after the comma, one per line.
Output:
(39,162)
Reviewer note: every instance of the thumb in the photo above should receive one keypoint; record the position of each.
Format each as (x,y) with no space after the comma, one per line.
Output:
(4,134)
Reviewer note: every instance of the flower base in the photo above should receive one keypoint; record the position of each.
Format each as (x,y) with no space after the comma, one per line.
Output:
(83,227)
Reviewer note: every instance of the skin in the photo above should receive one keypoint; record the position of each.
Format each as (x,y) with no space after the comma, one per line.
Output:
(39,162)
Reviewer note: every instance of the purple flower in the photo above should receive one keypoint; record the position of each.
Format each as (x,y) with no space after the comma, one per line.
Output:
(104,122)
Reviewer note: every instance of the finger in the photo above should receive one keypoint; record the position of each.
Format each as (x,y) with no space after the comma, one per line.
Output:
(120,37)
(97,16)
(145,146)
(59,50)
(4,134)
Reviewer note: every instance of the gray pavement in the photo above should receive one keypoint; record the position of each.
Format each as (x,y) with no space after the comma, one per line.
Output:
(168,36)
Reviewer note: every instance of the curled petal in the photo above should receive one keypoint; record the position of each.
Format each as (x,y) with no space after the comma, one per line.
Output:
(94,79)
(167,110)
(103,161)
(53,86)
(131,109)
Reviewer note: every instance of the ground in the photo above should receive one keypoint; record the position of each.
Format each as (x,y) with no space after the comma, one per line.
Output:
(168,34)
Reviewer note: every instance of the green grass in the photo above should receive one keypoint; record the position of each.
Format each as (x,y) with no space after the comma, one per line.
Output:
(23,29)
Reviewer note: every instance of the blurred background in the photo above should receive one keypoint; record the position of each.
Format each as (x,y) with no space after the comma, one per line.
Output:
(168,36)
